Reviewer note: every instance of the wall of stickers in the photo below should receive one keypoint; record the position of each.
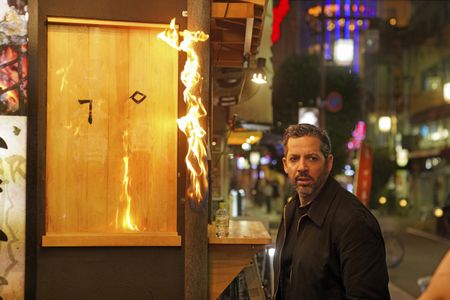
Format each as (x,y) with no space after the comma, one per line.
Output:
(13,132)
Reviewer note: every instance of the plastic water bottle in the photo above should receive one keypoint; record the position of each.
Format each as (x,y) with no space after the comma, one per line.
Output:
(222,221)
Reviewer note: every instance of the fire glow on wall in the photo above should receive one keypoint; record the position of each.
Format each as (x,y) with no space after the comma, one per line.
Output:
(190,123)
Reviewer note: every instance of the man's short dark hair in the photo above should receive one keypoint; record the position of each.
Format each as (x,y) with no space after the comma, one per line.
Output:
(300,130)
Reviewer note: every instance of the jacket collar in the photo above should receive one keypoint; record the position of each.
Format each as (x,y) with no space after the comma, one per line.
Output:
(291,206)
(319,206)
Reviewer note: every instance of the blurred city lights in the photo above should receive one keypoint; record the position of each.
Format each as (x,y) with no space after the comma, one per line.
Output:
(251,139)
(308,115)
(349,187)
(246,147)
(254,158)
(384,123)
(428,164)
(242,163)
(447,92)
(343,52)
(382,200)
(438,212)
(402,157)
(265,160)
(348,170)
(403,202)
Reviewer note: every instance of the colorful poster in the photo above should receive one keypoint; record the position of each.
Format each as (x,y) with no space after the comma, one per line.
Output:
(13,133)
(13,128)
(13,57)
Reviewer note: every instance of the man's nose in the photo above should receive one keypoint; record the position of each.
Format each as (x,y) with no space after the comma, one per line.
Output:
(302,165)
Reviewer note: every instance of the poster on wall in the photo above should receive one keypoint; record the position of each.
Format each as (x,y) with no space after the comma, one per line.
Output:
(13,57)
(13,128)
(12,206)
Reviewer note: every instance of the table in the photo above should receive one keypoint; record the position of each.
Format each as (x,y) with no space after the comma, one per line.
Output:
(227,256)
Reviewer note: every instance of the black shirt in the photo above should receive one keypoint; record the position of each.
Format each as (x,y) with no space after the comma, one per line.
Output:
(288,250)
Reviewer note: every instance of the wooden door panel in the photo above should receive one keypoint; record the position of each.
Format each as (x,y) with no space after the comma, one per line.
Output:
(87,162)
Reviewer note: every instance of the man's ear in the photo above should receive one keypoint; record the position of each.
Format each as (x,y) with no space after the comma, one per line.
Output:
(330,162)
(285,164)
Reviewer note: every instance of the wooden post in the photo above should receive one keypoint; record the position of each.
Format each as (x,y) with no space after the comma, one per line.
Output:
(196,218)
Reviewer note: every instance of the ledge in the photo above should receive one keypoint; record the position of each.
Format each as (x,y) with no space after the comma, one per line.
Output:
(241,232)
(111,239)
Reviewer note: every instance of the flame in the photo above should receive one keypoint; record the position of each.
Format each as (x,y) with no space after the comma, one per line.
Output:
(127,220)
(190,123)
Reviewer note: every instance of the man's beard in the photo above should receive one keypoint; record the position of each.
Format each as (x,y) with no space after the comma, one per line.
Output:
(312,188)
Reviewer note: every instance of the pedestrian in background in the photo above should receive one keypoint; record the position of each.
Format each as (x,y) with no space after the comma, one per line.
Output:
(329,245)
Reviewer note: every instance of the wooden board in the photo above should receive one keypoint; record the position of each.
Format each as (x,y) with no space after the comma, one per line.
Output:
(85,167)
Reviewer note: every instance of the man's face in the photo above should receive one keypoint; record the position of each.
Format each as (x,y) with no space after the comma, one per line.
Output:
(306,166)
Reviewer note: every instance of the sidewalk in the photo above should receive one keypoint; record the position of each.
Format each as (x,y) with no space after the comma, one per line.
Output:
(428,235)
(423,251)
(398,294)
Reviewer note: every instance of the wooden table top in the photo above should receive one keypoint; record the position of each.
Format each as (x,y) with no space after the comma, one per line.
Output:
(241,232)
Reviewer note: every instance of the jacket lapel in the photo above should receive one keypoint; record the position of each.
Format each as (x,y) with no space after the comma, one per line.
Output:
(321,205)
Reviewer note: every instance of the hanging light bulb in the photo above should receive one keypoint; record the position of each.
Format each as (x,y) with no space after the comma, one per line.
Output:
(259,76)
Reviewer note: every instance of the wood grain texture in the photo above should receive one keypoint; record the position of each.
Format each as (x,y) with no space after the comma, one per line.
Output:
(78,21)
(229,255)
(242,232)
(117,239)
(85,163)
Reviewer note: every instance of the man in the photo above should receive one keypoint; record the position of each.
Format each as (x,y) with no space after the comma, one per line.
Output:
(329,246)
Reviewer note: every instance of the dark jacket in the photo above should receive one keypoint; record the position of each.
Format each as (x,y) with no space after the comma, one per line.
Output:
(339,252)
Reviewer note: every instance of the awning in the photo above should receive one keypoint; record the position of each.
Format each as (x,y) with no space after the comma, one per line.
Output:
(245,136)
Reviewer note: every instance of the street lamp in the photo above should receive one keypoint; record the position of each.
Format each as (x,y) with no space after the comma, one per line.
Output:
(384,123)
(343,52)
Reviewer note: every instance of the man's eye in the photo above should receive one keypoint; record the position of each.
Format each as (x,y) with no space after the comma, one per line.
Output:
(313,158)
(293,159)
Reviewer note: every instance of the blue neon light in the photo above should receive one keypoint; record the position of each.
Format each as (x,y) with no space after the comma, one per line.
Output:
(337,29)
(356,39)
(347,19)
(327,36)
